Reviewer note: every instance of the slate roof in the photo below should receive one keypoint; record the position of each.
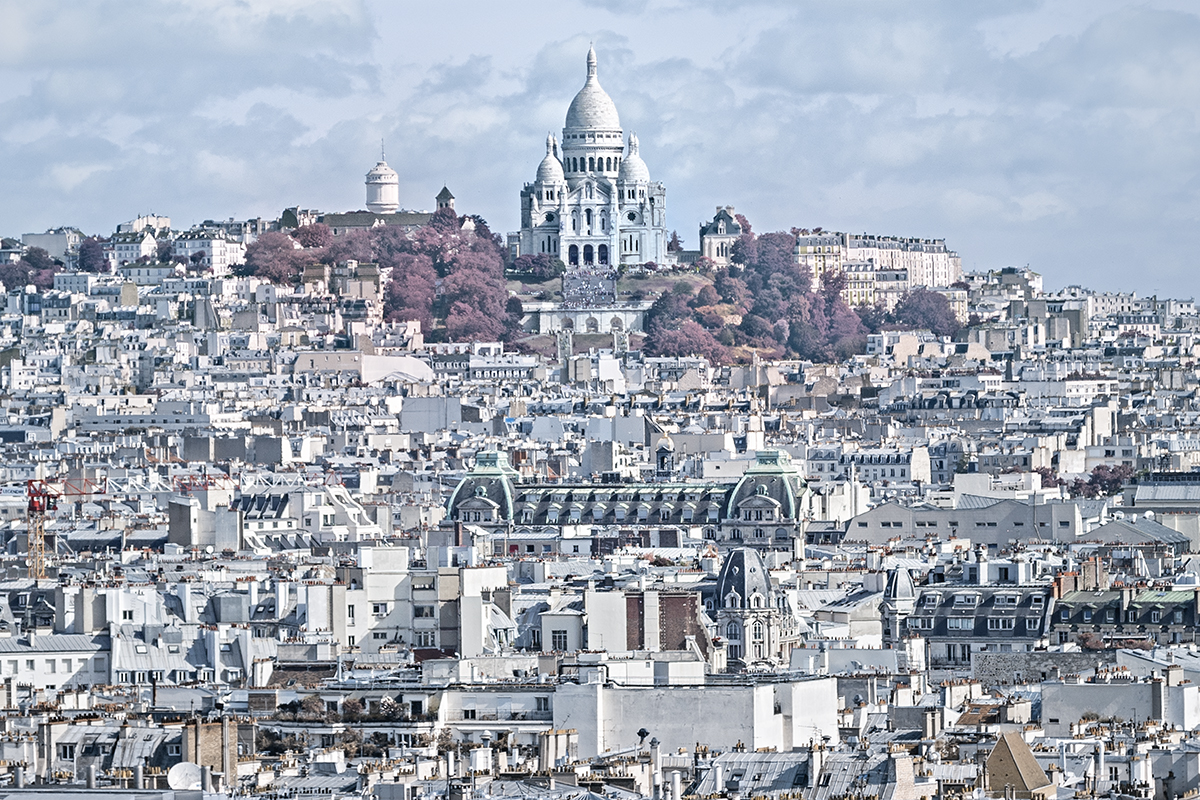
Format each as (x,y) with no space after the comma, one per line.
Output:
(1030,772)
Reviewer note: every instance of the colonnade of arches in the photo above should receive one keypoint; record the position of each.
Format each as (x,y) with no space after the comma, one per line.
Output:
(592,164)
(591,255)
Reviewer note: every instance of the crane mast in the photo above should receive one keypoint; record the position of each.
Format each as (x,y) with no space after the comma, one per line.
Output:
(42,498)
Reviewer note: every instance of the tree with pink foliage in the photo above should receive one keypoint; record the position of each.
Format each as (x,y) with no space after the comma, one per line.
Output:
(466,323)
(689,339)
(921,309)
(353,245)
(410,293)
(274,257)
(91,256)
(313,236)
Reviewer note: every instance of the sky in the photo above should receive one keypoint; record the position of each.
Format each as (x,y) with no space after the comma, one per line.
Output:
(1058,135)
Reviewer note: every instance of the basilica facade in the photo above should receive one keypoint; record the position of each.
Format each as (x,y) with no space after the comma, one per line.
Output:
(593,203)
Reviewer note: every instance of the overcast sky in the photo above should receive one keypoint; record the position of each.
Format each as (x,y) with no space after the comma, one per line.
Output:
(1062,135)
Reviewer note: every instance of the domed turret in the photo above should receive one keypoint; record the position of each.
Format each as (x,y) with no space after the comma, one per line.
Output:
(551,169)
(633,169)
(383,189)
(592,107)
(744,581)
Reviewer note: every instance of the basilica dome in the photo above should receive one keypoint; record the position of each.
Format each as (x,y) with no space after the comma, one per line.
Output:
(592,107)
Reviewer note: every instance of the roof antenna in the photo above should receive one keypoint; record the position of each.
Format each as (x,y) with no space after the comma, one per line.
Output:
(382,151)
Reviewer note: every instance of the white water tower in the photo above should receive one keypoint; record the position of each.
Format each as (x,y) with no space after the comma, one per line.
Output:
(383,188)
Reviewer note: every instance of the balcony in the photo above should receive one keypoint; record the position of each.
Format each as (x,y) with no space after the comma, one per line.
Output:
(491,715)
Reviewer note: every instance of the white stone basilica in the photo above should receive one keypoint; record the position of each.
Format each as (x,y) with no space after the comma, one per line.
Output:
(593,205)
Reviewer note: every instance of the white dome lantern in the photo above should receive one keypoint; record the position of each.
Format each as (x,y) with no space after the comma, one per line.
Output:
(551,169)
(633,168)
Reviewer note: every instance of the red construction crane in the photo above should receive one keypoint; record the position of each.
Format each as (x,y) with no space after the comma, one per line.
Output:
(44,496)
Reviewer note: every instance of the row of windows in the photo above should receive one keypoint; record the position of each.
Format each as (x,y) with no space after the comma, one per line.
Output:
(971,599)
(759,533)
(1062,523)
(968,623)
(733,631)
(14,666)
(1130,615)
(598,513)
(592,163)
(66,752)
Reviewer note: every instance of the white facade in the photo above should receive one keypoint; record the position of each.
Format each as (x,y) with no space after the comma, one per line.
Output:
(593,204)
(219,251)
(781,715)
(126,248)
(926,262)
(55,661)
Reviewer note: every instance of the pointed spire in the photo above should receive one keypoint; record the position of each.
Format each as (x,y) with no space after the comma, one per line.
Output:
(382,151)
(591,62)
(633,144)
(554,145)
(549,144)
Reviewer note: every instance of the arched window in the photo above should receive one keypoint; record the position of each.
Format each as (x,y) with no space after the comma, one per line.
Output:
(573,255)
(602,252)
(608,164)
(732,631)
(588,254)
(758,631)
(587,218)
(591,164)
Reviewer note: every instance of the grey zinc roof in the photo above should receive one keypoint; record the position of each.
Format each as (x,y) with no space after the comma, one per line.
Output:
(55,643)
(759,773)
(139,745)
(1167,492)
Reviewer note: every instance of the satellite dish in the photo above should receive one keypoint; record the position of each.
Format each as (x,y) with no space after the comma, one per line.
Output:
(184,777)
